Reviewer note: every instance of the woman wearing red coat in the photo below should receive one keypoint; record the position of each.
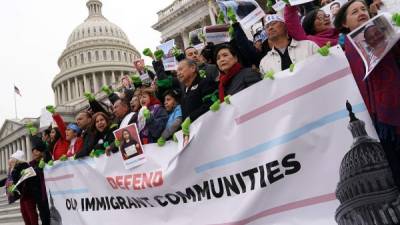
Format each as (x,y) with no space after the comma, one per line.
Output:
(69,143)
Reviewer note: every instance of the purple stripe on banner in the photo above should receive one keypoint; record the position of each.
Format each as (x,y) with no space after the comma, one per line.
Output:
(293,95)
(64,177)
(283,208)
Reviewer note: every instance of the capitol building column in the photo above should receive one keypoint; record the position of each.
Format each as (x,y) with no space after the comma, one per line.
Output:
(86,84)
(76,88)
(29,148)
(63,97)
(69,90)
(104,78)
(113,78)
(95,83)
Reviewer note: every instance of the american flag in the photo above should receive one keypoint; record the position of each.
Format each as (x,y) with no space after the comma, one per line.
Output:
(17,91)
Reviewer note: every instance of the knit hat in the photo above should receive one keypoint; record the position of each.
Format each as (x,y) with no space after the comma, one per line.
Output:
(18,155)
(38,144)
(74,127)
(273,18)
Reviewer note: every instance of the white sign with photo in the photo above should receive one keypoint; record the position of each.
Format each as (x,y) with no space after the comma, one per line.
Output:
(248,12)
(279,5)
(169,60)
(374,40)
(217,33)
(298,2)
(131,148)
(195,38)
(145,78)
(28,173)
(45,118)
(332,8)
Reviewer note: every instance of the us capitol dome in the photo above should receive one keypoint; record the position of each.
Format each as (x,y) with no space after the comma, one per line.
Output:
(98,53)
(366,190)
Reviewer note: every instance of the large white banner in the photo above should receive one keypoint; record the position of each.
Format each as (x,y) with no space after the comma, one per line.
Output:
(270,157)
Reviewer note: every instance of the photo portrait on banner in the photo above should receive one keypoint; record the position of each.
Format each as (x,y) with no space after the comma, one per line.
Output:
(131,148)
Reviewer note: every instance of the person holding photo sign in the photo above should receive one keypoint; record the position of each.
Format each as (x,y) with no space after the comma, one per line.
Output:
(380,90)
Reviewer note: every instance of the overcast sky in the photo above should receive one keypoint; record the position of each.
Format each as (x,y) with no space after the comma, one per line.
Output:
(34,34)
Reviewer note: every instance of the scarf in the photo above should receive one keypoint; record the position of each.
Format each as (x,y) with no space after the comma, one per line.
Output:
(225,78)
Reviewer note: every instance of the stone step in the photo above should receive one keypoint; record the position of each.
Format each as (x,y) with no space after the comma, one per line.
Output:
(3,200)
(15,223)
(11,218)
(14,209)
(5,205)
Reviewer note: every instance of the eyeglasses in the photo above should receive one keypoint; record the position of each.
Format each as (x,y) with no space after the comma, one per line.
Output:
(322,17)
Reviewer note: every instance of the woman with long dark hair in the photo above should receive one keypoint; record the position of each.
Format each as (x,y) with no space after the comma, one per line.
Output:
(104,136)
(129,146)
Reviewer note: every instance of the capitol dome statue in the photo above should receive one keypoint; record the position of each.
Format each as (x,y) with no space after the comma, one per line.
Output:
(98,53)
(366,190)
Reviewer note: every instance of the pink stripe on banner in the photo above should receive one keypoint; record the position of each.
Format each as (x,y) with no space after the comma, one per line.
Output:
(64,177)
(284,208)
(293,95)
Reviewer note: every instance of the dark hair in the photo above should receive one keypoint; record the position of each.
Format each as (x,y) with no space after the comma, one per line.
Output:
(207,52)
(341,16)
(219,47)
(88,115)
(100,114)
(366,32)
(124,101)
(47,131)
(308,21)
(189,48)
(173,93)
(335,3)
(190,62)
(58,134)
(122,134)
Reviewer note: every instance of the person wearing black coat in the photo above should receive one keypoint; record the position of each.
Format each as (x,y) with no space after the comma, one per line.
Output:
(103,130)
(84,120)
(193,101)
(33,190)
(123,113)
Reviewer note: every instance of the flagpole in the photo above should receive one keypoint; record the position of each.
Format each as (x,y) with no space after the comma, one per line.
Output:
(15,103)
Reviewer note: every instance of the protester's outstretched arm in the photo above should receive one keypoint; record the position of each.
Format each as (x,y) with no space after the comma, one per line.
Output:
(293,23)
(246,47)
(157,122)
(159,69)
(95,106)
(168,132)
(59,121)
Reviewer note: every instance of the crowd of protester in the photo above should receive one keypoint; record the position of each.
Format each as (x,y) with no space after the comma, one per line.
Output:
(205,78)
